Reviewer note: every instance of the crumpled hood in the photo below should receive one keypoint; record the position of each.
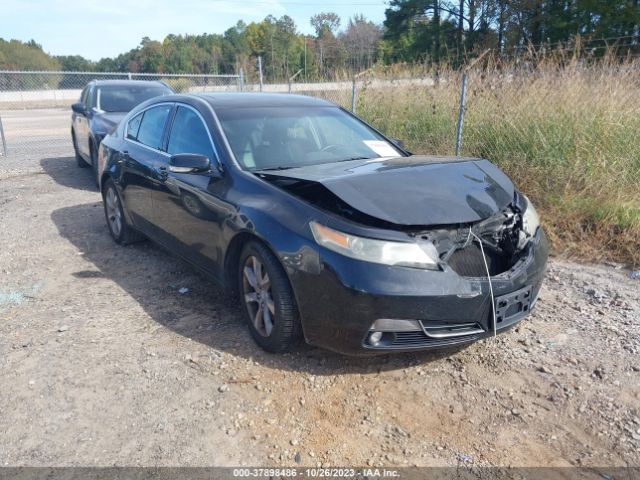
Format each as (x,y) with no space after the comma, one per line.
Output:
(416,190)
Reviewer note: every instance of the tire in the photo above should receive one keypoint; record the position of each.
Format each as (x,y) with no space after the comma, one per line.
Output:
(93,151)
(79,160)
(285,332)
(121,232)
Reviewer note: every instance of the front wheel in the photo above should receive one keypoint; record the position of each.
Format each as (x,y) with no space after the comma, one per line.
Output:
(268,300)
(119,229)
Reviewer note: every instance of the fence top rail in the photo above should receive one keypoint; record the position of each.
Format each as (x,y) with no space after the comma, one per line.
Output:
(123,74)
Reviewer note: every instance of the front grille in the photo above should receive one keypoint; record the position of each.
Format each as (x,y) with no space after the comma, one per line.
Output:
(468,262)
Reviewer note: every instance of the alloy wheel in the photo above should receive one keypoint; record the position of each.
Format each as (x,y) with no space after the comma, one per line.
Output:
(258,295)
(114,214)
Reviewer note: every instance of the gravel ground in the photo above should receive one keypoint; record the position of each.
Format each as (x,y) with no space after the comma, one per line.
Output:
(104,362)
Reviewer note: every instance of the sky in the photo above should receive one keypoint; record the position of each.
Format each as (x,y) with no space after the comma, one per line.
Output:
(106,28)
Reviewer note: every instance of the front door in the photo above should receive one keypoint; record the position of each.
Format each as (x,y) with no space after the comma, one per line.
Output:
(190,207)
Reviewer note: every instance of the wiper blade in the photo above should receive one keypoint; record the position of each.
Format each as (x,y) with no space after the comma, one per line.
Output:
(273,168)
(353,158)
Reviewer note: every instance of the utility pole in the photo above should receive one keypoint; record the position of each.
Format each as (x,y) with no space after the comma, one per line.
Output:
(305,59)
(260,70)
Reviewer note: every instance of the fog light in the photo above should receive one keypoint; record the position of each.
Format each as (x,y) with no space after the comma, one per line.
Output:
(375,338)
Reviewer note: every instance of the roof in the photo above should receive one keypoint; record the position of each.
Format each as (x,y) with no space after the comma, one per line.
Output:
(254,99)
(128,83)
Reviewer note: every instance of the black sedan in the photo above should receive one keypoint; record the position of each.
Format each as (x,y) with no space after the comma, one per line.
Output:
(103,103)
(327,230)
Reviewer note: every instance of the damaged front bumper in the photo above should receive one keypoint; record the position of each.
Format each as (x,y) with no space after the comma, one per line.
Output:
(413,309)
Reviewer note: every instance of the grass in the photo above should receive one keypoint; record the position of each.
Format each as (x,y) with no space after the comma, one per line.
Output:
(566,130)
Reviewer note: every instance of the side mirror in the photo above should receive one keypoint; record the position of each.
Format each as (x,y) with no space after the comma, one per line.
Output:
(189,163)
(79,108)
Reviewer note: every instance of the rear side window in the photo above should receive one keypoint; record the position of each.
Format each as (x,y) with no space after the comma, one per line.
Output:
(133,126)
(152,126)
(189,134)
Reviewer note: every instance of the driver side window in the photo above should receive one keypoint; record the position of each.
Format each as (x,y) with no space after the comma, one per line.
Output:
(189,135)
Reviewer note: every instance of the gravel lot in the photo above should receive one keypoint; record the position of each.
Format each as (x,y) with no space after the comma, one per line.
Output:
(104,362)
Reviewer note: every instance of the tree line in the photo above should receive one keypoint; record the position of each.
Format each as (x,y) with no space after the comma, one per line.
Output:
(428,31)
(453,30)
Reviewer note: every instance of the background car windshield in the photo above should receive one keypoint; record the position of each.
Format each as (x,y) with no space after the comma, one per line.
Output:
(286,137)
(117,98)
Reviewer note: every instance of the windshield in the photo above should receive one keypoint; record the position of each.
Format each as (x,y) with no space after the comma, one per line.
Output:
(286,137)
(120,98)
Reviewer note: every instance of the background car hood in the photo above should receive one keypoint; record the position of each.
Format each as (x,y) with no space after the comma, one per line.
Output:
(416,190)
(108,120)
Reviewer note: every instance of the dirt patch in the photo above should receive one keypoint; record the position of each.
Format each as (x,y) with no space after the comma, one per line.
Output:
(104,362)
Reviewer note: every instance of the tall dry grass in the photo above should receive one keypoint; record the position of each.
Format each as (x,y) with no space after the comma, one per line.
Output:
(566,129)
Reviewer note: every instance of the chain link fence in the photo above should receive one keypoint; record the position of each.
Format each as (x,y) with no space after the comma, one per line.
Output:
(35,107)
(568,120)
(564,129)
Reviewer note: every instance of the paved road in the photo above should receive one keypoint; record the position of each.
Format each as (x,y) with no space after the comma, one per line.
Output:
(40,132)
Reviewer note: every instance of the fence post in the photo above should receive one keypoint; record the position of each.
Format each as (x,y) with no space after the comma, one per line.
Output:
(260,70)
(4,141)
(463,95)
(241,79)
(353,95)
(293,77)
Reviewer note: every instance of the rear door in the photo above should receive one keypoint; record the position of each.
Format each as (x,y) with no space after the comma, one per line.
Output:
(145,136)
(190,208)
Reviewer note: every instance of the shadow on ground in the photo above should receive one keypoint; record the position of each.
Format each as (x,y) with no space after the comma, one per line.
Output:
(206,314)
(66,172)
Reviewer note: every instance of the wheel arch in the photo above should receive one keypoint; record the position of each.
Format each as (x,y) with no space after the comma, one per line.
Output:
(93,146)
(106,176)
(104,179)
(231,270)
(232,256)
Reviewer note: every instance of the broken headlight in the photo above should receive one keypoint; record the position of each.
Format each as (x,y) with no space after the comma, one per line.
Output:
(410,254)
(530,219)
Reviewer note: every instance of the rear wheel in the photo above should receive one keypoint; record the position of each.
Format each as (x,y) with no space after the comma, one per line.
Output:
(119,229)
(79,160)
(268,300)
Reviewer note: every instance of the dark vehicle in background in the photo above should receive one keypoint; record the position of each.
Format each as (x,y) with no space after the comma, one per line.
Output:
(329,231)
(103,103)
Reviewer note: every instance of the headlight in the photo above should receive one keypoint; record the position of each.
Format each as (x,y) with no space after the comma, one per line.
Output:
(530,219)
(410,254)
